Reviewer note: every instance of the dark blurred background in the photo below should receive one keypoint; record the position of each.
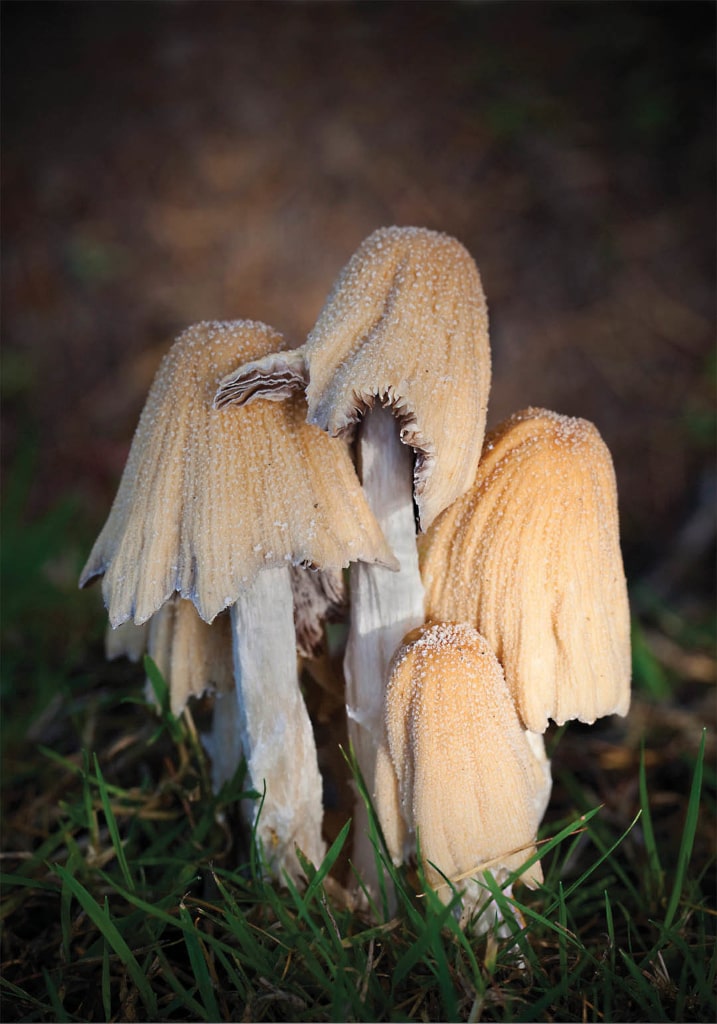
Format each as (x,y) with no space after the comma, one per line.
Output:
(170,162)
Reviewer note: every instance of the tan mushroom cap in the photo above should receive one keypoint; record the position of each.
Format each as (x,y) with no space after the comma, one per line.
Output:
(195,657)
(406,322)
(210,497)
(468,780)
(531,557)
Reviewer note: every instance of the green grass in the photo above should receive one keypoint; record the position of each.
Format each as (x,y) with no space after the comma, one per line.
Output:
(135,907)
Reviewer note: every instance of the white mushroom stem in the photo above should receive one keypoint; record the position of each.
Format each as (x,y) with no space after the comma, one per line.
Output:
(274,726)
(385,605)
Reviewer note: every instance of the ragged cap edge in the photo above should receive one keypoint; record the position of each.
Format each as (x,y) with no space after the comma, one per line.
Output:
(531,556)
(194,656)
(126,641)
(166,535)
(250,335)
(275,377)
(406,324)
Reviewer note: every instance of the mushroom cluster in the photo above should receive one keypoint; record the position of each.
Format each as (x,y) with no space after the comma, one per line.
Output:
(486,589)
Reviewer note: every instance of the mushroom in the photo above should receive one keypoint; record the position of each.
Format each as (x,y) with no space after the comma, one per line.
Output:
(195,659)
(194,656)
(531,557)
(405,327)
(464,777)
(217,506)
(126,641)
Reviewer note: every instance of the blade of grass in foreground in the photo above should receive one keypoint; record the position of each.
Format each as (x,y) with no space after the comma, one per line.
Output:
(57,1007)
(106,984)
(112,826)
(25,997)
(653,857)
(319,874)
(605,854)
(200,970)
(688,835)
(185,998)
(109,930)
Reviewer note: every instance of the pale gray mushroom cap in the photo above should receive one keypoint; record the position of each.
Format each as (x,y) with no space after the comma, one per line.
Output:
(210,497)
(406,324)
(467,778)
(531,557)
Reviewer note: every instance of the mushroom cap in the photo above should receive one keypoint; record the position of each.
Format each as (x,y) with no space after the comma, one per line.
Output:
(468,779)
(195,657)
(126,641)
(406,323)
(531,557)
(210,497)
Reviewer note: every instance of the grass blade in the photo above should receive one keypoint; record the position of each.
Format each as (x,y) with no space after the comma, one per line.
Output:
(109,930)
(653,857)
(327,863)
(57,1007)
(117,843)
(106,984)
(199,966)
(688,835)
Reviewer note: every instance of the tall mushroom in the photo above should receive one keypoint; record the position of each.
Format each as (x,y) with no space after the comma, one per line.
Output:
(195,657)
(531,557)
(404,327)
(217,506)
(464,776)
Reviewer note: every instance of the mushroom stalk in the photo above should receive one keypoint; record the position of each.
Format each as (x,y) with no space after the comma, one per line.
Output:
(274,727)
(385,605)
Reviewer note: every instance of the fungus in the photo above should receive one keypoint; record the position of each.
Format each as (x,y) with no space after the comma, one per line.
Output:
(405,327)
(217,506)
(195,659)
(531,557)
(194,656)
(465,777)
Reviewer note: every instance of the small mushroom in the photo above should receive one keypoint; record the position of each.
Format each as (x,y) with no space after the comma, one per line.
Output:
(126,641)
(195,659)
(217,506)
(465,776)
(531,557)
(405,327)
